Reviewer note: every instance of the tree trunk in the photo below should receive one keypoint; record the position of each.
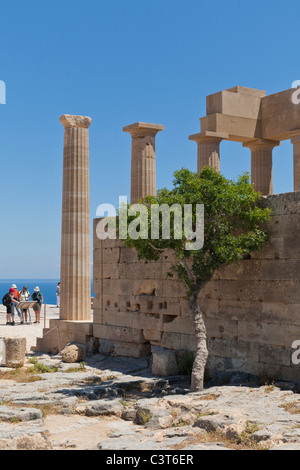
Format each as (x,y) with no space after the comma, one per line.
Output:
(202,352)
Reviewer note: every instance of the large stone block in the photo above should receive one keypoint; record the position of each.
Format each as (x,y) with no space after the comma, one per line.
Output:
(219,347)
(293,314)
(152,335)
(14,350)
(123,334)
(290,374)
(274,312)
(116,302)
(133,270)
(290,247)
(268,371)
(249,331)
(209,307)
(284,204)
(122,348)
(279,225)
(108,271)
(164,362)
(241,270)
(168,307)
(123,319)
(173,288)
(221,328)
(240,129)
(145,287)
(244,350)
(274,355)
(150,321)
(107,255)
(238,101)
(273,249)
(272,335)
(221,290)
(280,116)
(171,341)
(291,334)
(173,324)
(178,341)
(281,313)
(240,309)
(97,315)
(115,287)
(280,269)
(269,291)
(128,256)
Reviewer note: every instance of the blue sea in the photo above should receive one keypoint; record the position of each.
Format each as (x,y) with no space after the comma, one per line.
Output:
(47,287)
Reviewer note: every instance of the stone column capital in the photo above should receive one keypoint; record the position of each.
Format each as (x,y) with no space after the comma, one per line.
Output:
(69,120)
(143,129)
(260,143)
(208,149)
(208,137)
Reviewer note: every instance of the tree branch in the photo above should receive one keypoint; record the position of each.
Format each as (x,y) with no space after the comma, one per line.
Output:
(189,272)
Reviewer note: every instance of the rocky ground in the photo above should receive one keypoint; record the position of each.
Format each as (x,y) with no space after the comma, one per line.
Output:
(116,404)
(111,403)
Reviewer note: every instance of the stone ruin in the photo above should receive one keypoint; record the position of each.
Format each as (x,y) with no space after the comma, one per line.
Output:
(252,307)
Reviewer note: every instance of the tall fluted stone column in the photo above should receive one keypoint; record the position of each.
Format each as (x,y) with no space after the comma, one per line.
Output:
(262,164)
(143,169)
(295,139)
(75,303)
(208,151)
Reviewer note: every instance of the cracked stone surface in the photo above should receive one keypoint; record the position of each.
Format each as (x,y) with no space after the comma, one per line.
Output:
(117,404)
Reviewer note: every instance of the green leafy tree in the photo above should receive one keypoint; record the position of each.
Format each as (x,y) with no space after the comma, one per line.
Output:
(234,226)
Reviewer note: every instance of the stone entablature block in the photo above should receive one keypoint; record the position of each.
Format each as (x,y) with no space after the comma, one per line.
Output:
(248,116)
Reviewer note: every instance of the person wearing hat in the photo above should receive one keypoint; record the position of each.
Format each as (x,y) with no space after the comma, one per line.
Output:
(37,297)
(15,305)
(24,297)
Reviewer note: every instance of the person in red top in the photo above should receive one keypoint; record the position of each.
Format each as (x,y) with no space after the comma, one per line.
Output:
(16,296)
(9,304)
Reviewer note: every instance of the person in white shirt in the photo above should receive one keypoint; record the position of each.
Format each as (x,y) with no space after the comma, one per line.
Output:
(24,297)
(58,295)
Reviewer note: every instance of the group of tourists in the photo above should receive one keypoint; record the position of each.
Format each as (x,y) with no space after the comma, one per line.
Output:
(12,299)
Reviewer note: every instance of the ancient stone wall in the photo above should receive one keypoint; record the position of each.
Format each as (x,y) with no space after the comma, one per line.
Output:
(252,307)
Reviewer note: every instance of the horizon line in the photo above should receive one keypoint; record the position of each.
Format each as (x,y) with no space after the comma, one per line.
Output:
(31,279)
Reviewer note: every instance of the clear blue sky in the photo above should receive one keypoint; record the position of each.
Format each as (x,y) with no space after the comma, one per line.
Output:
(120,62)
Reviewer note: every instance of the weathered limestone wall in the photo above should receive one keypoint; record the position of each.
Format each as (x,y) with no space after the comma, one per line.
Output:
(252,308)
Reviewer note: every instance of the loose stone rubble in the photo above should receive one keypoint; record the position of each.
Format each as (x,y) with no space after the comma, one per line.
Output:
(113,403)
